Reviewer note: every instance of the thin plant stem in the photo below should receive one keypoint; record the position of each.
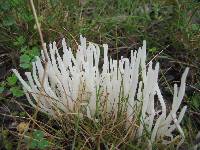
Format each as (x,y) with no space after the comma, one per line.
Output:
(39,30)
(45,55)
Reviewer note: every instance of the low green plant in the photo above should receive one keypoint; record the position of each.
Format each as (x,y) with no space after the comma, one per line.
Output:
(195,102)
(27,53)
(153,50)
(11,85)
(4,135)
(14,88)
(37,141)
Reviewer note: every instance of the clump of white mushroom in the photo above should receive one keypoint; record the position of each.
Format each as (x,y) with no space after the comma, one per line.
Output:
(71,84)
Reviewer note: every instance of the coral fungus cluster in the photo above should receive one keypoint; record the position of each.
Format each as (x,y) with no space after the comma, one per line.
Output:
(77,83)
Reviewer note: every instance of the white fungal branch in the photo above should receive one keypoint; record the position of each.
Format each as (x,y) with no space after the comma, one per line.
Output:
(75,83)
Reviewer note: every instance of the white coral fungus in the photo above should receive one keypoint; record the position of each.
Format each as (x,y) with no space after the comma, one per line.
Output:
(77,83)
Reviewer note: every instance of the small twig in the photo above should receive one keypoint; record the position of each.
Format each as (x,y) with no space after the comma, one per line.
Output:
(179,62)
(45,55)
(158,54)
(37,122)
(72,37)
(195,88)
(39,30)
